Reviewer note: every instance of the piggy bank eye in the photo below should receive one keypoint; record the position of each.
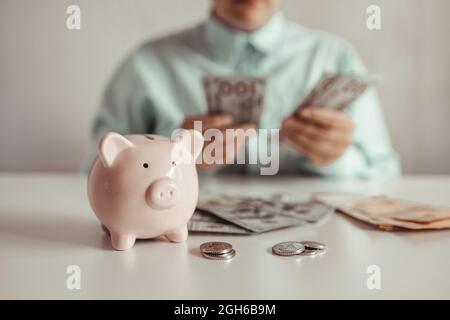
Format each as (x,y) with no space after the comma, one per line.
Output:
(174,164)
(146,165)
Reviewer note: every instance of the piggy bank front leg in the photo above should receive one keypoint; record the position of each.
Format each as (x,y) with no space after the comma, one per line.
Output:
(178,235)
(122,241)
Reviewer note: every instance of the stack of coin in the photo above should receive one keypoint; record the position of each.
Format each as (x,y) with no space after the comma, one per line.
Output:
(217,250)
(298,248)
(313,248)
(289,248)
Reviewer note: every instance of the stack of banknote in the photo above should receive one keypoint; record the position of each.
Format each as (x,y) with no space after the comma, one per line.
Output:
(249,215)
(240,96)
(388,213)
(243,96)
(338,91)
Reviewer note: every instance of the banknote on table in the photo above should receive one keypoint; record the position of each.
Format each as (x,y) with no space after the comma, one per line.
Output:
(203,221)
(338,91)
(263,214)
(240,96)
(388,213)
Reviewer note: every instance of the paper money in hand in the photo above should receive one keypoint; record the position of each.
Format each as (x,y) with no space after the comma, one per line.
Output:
(240,96)
(338,91)
(388,213)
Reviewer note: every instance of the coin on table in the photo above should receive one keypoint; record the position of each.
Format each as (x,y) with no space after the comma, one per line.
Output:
(289,248)
(309,253)
(314,245)
(216,247)
(223,256)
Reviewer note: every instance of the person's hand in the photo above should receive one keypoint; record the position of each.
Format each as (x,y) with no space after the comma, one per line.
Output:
(322,134)
(225,149)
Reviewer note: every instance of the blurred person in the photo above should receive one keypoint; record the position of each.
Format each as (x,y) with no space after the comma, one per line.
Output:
(158,89)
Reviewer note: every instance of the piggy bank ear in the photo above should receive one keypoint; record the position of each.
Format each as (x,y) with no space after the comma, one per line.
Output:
(191,140)
(110,146)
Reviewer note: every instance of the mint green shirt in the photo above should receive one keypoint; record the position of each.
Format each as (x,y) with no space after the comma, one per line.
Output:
(159,84)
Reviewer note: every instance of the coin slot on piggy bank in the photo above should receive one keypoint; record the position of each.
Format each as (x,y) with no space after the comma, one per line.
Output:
(145,186)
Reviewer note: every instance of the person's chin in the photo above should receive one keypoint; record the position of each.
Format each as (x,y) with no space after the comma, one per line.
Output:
(249,21)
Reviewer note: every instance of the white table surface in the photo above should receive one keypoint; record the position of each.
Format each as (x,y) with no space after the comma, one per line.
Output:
(46,225)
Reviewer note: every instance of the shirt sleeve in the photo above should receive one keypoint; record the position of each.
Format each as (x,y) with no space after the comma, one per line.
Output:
(124,108)
(371,154)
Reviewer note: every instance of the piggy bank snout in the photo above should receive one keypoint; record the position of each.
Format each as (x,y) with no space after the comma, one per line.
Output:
(163,194)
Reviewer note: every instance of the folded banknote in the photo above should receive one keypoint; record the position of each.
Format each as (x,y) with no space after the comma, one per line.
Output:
(388,213)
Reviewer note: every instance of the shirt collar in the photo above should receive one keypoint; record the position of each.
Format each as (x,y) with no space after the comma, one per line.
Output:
(223,42)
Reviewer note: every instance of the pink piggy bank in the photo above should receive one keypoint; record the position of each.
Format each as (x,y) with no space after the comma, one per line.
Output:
(145,186)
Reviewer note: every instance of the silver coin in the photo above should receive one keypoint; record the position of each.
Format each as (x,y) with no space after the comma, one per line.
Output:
(289,248)
(216,247)
(224,256)
(311,252)
(314,245)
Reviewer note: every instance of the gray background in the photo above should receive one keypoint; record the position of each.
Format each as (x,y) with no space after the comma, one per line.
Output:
(51,79)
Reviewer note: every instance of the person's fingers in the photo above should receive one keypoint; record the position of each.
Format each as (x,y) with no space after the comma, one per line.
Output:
(310,141)
(335,136)
(324,150)
(290,131)
(326,117)
(292,124)
(208,121)
(314,132)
